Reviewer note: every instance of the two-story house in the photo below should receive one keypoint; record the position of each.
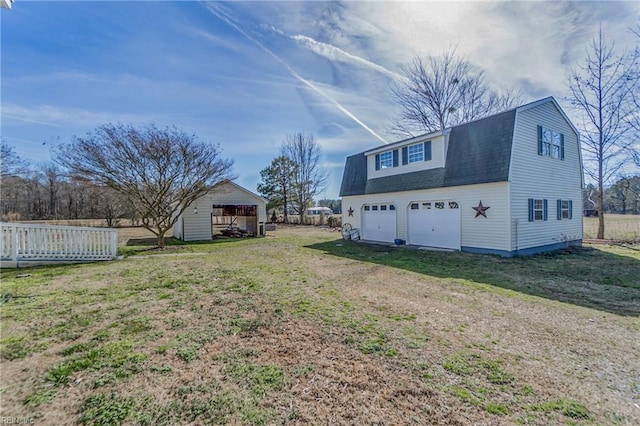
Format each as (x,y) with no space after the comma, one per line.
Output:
(509,184)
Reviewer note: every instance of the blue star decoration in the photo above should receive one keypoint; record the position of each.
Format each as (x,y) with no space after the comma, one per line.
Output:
(481,210)
(350,211)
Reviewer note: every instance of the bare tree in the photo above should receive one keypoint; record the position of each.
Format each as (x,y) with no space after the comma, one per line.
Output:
(601,90)
(634,116)
(160,171)
(113,205)
(52,184)
(309,176)
(10,163)
(440,92)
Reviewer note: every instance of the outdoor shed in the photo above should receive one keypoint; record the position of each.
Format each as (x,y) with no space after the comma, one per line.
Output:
(227,206)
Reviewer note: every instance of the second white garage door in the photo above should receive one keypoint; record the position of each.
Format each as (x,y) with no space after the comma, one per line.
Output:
(434,224)
(379,222)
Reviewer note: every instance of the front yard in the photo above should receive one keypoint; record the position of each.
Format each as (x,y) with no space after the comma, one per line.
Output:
(303,327)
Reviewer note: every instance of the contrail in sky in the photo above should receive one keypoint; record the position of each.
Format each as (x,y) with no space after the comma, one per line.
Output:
(335,53)
(220,14)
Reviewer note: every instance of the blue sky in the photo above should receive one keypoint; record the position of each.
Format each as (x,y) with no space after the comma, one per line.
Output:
(245,74)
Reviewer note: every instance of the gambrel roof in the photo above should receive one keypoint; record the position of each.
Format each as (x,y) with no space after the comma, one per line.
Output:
(478,152)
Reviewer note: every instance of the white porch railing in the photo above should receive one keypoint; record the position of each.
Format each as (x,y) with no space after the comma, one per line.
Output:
(42,244)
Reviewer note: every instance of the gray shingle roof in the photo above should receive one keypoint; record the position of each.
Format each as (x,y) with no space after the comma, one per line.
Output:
(478,152)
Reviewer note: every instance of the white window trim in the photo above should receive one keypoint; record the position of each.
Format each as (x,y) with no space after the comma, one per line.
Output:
(386,163)
(551,143)
(417,156)
(564,210)
(538,210)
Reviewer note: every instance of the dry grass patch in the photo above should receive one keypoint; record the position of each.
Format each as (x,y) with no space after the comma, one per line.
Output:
(618,227)
(295,328)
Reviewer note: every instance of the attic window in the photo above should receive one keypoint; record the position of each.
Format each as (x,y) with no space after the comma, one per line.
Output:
(550,143)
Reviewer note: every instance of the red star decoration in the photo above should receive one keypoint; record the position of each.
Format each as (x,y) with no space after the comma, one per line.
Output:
(480,210)
(350,211)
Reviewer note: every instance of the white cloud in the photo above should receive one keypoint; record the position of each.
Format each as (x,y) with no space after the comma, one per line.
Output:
(55,116)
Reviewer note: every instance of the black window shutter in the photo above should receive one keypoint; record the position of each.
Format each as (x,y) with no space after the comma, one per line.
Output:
(559,210)
(427,151)
(539,140)
(546,210)
(395,158)
(570,209)
(562,147)
(377,161)
(405,155)
(530,209)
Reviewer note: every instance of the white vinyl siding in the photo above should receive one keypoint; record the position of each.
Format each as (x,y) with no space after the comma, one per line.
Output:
(197,226)
(491,232)
(540,177)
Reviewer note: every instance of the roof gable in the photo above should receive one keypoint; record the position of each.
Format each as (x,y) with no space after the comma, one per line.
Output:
(557,107)
(228,182)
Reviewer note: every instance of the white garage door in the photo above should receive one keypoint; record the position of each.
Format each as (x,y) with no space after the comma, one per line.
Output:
(379,222)
(434,224)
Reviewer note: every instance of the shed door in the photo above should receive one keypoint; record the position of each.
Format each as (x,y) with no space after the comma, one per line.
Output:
(379,222)
(434,224)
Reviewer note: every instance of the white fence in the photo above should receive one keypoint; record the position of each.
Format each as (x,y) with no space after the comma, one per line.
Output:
(23,244)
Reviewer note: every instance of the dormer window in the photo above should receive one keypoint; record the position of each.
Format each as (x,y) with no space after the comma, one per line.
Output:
(386,160)
(416,153)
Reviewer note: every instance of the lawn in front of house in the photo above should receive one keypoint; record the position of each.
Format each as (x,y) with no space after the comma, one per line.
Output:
(302,326)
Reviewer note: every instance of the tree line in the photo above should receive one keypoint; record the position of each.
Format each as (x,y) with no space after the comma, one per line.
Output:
(145,174)
(47,192)
(623,197)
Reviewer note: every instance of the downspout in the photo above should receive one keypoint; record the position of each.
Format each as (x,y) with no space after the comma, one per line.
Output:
(517,222)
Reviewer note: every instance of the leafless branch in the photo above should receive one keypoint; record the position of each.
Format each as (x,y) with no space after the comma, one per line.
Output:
(161,171)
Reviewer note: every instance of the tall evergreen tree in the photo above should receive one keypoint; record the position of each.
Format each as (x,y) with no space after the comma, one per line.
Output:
(276,184)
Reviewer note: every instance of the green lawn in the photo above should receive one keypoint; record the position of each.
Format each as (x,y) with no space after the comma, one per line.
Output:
(302,327)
